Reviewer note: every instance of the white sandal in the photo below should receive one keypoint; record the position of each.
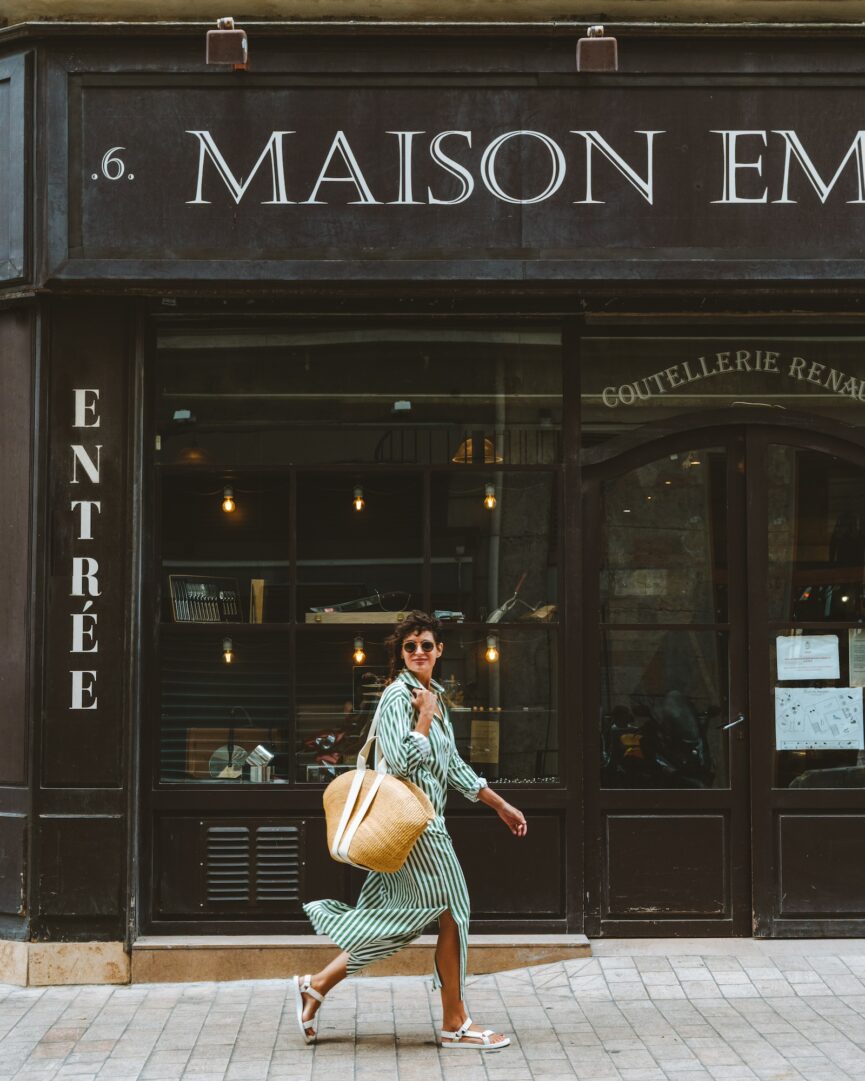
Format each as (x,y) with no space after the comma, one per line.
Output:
(476,1041)
(304,987)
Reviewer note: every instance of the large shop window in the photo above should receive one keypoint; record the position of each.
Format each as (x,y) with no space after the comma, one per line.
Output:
(311,487)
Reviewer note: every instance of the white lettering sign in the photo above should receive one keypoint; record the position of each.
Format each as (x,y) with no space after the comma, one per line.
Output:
(639,177)
(84,577)
(550,164)
(744,361)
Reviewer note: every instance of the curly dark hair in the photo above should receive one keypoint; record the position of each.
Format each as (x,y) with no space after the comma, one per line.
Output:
(413,623)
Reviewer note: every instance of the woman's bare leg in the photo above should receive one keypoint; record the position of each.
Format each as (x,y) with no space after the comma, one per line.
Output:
(454,1011)
(448,962)
(325,981)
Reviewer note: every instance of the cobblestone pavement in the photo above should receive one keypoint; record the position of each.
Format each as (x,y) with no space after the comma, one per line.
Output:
(706,1010)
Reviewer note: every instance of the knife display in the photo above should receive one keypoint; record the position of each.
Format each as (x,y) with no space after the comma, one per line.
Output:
(204,600)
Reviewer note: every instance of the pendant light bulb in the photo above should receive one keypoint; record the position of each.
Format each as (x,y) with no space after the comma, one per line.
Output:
(357,499)
(490,496)
(228,503)
(359,655)
(227,650)
(492,653)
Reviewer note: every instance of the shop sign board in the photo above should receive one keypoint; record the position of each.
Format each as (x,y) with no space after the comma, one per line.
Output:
(85,646)
(649,378)
(86,466)
(212,178)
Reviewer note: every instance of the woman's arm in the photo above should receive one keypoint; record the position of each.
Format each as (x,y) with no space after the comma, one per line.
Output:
(513,818)
(462,777)
(404,751)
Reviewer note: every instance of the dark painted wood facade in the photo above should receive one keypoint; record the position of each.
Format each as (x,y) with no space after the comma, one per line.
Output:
(106,236)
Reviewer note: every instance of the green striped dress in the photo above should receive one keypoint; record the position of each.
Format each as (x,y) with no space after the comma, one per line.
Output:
(393,909)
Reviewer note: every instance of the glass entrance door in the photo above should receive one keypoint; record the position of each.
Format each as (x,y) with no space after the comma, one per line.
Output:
(725,660)
(806,497)
(668,803)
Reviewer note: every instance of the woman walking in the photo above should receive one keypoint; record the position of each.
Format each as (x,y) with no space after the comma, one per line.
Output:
(417,741)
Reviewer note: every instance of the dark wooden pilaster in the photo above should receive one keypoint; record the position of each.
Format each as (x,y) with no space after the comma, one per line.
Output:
(81,750)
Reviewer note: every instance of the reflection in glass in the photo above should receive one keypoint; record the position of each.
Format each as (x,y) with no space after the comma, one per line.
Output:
(494,544)
(214,714)
(664,700)
(395,395)
(664,556)
(816,536)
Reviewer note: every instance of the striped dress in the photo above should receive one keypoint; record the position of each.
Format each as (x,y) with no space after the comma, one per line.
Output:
(393,909)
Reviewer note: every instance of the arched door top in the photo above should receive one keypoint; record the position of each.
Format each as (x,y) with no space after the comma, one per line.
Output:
(701,428)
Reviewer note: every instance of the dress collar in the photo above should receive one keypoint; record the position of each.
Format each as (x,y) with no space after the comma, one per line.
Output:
(413,681)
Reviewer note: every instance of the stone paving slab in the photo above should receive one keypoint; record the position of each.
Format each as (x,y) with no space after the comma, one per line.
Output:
(649,1010)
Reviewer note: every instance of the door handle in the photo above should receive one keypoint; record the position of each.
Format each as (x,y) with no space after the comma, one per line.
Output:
(732,724)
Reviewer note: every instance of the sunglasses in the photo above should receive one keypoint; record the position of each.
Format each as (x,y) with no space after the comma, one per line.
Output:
(411,647)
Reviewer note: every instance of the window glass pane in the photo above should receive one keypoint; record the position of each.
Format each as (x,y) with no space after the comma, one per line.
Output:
(224,692)
(816,536)
(503,712)
(816,576)
(664,555)
(664,699)
(818,722)
(254,397)
(293,488)
(629,381)
(494,544)
(225,565)
(336,695)
(357,560)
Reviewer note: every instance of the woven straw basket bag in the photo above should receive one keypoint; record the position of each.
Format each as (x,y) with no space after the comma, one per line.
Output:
(373,819)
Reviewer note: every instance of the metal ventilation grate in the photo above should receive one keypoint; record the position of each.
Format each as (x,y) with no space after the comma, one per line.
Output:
(228,864)
(277,863)
(253,865)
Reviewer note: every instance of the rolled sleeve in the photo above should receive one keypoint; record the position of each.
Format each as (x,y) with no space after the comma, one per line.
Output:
(463,778)
(423,744)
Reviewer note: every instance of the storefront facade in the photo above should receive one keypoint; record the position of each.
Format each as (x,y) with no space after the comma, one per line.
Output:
(416,318)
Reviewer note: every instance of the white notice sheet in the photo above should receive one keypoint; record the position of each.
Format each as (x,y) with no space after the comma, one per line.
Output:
(856,652)
(808,656)
(818,718)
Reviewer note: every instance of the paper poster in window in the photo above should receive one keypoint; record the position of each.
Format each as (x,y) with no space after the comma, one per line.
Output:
(808,656)
(818,718)
(856,656)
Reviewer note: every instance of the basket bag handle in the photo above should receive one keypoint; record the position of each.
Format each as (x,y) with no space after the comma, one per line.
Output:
(349,821)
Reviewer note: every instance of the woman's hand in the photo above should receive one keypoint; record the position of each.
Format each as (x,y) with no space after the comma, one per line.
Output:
(425,704)
(513,818)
